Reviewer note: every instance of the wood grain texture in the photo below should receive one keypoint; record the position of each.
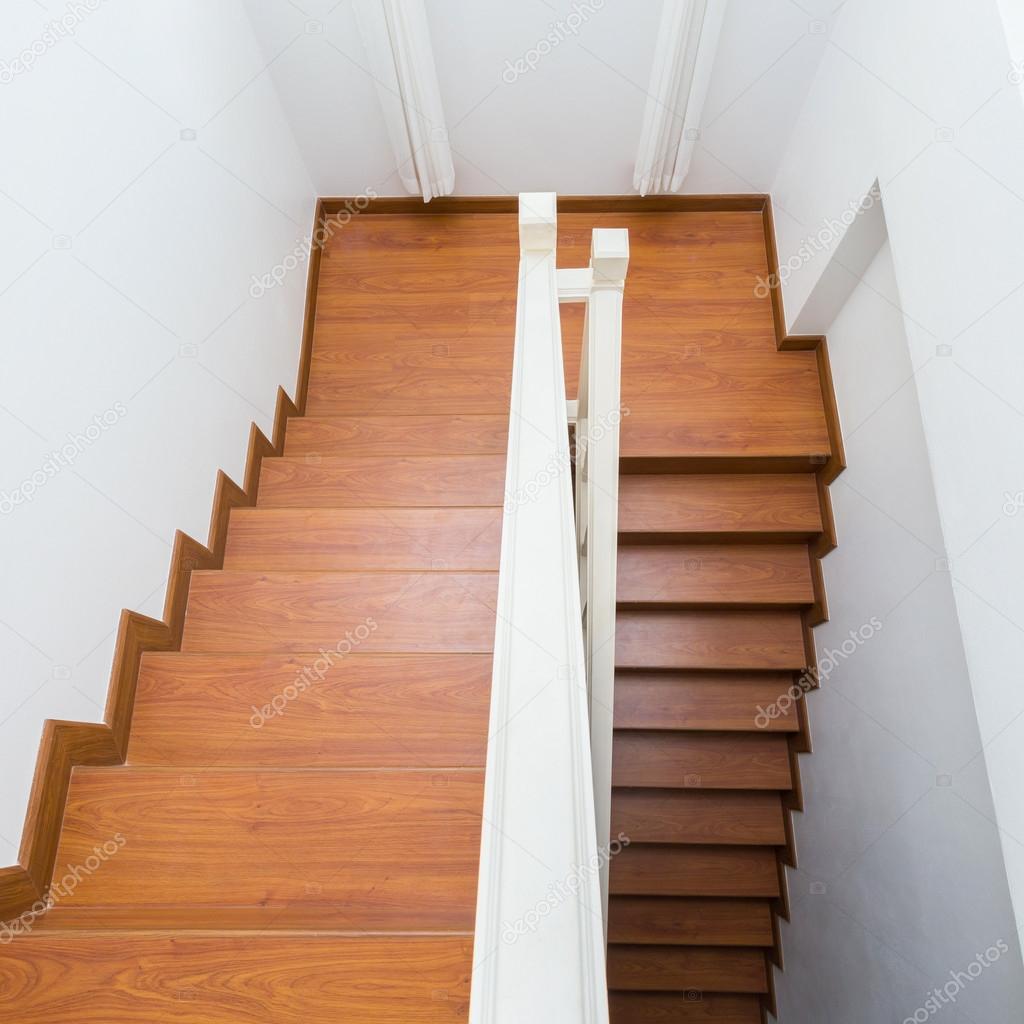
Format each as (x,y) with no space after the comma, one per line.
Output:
(780,506)
(676,760)
(714,575)
(235,979)
(702,700)
(311,710)
(680,968)
(643,920)
(238,612)
(398,435)
(698,816)
(710,639)
(358,539)
(678,1008)
(706,871)
(381,481)
(392,850)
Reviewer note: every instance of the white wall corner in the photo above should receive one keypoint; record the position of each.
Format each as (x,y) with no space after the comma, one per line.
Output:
(396,37)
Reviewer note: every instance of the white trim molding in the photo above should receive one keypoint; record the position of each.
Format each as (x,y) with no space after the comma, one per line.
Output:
(680,76)
(396,37)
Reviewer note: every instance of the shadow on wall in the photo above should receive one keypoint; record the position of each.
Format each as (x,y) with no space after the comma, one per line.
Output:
(901,907)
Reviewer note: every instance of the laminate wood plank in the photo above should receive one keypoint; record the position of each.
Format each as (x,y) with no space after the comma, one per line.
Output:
(392,850)
(776,505)
(397,435)
(698,816)
(315,481)
(710,760)
(706,871)
(709,640)
(715,575)
(235,979)
(646,920)
(413,390)
(723,701)
(357,539)
(681,968)
(311,710)
(679,1008)
(231,612)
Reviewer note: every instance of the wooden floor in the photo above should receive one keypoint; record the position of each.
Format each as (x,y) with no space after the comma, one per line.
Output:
(296,832)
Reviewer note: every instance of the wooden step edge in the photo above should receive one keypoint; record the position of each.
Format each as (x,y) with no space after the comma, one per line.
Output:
(798,462)
(740,605)
(644,538)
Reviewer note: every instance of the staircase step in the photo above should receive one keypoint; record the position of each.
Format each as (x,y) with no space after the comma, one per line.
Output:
(299,612)
(674,760)
(727,701)
(322,481)
(681,968)
(714,575)
(774,506)
(397,435)
(688,1008)
(656,870)
(311,710)
(698,816)
(709,639)
(357,538)
(391,850)
(690,922)
(121,978)
(403,384)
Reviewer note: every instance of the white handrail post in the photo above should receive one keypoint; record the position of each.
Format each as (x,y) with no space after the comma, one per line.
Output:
(538,946)
(598,487)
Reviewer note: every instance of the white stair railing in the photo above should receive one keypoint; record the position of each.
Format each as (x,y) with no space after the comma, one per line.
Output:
(539,952)
(597,414)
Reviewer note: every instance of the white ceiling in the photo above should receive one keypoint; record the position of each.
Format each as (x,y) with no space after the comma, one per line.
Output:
(572,123)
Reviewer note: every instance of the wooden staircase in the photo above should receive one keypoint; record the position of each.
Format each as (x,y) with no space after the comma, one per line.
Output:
(299,817)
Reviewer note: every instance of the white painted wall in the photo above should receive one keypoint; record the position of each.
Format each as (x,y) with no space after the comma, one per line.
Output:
(568,119)
(148,173)
(901,874)
(919,95)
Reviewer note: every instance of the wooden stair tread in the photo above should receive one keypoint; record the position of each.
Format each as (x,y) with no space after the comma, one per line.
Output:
(392,850)
(647,920)
(737,817)
(298,612)
(351,710)
(709,639)
(703,700)
(359,538)
(234,979)
(314,481)
(413,389)
(679,760)
(397,435)
(685,968)
(676,870)
(689,1008)
(714,575)
(774,505)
